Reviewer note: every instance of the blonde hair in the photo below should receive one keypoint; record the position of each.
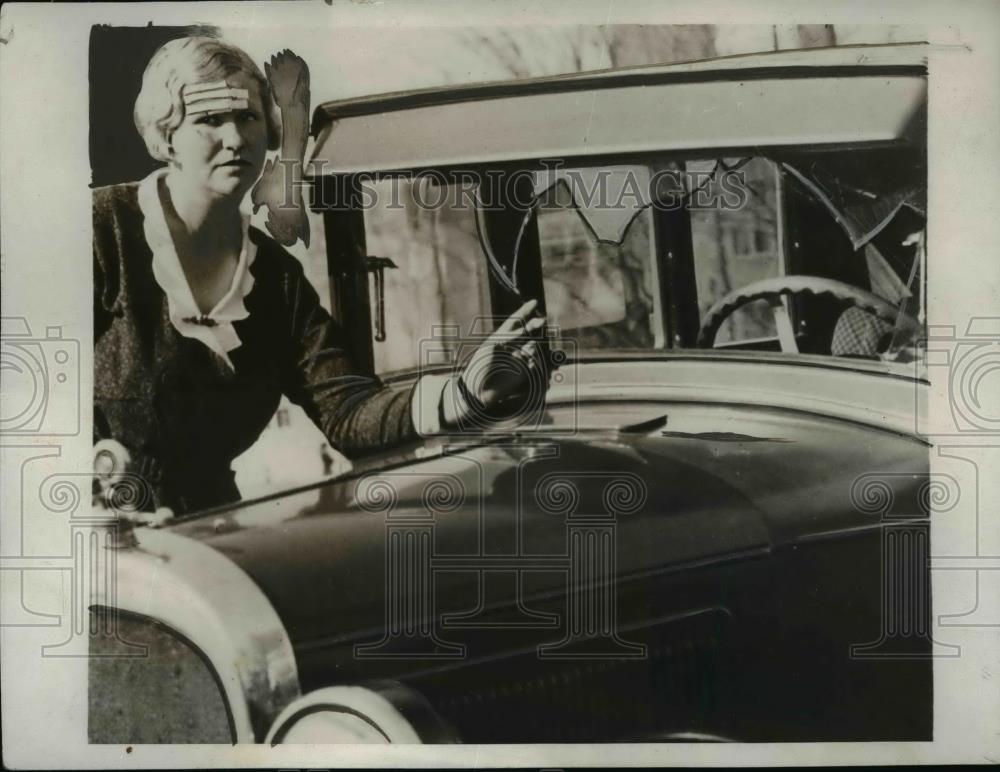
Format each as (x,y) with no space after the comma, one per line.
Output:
(159,108)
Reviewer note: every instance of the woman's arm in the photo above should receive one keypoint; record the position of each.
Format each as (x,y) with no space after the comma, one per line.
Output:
(357,413)
(360,415)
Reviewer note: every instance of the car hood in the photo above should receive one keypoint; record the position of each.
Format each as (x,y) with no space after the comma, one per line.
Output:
(694,487)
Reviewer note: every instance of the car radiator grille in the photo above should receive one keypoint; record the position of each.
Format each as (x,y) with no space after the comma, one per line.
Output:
(524,698)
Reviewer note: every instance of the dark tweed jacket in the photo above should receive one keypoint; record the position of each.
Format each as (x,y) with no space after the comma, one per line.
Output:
(176,405)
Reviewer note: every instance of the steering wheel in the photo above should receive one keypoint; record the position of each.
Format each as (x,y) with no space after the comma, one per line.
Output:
(772,290)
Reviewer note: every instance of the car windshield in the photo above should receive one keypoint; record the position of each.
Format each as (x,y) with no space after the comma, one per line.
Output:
(658,253)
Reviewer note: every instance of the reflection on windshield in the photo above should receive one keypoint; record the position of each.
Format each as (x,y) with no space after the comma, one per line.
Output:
(441,277)
(598,294)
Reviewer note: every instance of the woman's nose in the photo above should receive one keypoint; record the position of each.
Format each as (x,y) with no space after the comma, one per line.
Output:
(231,136)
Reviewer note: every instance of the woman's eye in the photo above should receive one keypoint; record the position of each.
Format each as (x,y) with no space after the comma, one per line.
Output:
(248,115)
(209,120)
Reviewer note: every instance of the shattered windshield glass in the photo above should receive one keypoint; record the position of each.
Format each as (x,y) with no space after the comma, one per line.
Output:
(817,252)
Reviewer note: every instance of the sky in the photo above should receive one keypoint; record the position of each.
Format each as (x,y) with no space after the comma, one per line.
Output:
(348,61)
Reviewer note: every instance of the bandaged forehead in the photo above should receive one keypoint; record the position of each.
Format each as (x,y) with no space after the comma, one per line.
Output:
(216,97)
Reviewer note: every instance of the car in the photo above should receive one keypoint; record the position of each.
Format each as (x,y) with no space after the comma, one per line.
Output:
(710,520)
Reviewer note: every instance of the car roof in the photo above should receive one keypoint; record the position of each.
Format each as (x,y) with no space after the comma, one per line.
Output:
(844,94)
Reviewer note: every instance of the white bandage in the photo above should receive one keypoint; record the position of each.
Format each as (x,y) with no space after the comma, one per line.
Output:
(216,97)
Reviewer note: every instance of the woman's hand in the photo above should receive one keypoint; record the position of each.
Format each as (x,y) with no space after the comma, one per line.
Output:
(507,367)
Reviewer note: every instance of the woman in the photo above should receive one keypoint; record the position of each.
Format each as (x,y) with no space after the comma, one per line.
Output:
(201,322)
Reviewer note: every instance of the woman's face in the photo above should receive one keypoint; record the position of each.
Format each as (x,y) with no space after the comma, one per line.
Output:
(223,152)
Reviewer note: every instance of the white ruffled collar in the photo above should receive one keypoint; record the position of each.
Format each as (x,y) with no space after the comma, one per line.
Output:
(219,334)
